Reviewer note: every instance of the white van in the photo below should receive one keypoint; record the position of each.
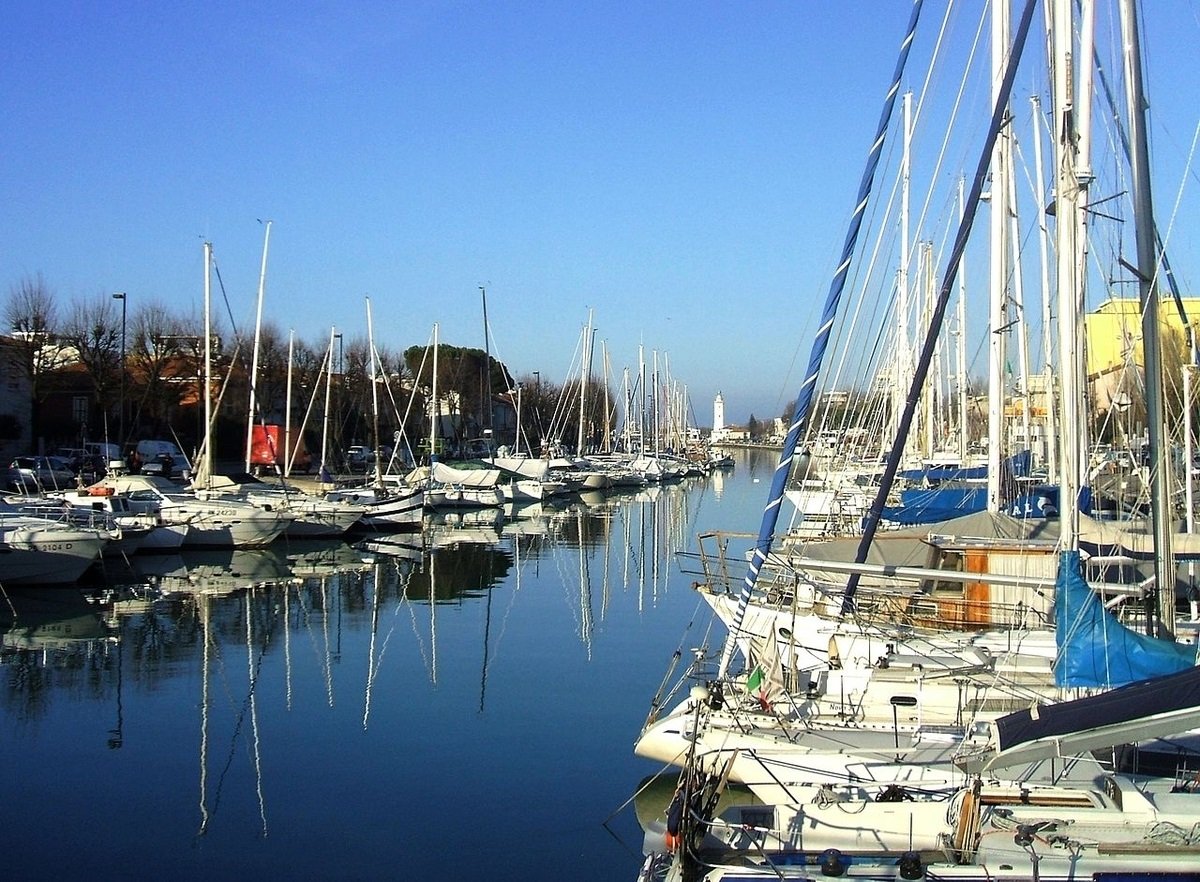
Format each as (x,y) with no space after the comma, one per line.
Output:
(163,458)
(110,453)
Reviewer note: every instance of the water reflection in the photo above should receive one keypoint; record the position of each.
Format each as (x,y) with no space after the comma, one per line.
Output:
(244,675)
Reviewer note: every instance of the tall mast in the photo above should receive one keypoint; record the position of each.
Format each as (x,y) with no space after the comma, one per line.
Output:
(1049,433)
(583,383)
(328,396)
(998,261)
(1020,325)
(1070,282)
(206,460)
(287,413)
(903,363)
(434,407)
(960,350)
(486,404)
(262,284)
(374,395)
(1147,273)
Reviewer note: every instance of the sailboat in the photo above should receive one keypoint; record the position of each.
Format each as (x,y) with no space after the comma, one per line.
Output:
(389,505)
(833,777)
(212,520)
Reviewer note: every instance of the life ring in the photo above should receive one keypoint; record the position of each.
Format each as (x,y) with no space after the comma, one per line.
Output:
(100,491)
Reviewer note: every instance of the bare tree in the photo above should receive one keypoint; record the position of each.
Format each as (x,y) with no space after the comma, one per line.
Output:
(162,360)
(31,314)
(92,328)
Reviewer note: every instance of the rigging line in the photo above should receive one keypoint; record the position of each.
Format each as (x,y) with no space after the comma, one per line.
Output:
(999,114)
(820,342)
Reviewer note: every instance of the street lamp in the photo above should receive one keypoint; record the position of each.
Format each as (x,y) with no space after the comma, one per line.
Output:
(120,295)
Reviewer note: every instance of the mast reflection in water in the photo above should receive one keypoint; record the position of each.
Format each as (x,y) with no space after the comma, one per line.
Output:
(442,705)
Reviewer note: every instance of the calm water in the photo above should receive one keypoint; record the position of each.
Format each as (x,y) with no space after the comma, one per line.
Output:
(320,711)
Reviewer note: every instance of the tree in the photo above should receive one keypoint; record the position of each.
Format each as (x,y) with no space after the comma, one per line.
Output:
(92,329)
(753,428)
(31,313)
(165,364)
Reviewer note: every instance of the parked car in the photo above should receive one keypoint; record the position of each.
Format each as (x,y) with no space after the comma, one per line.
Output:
(83,461)
(360,458)
(43,471)
(167,465)
(162,458)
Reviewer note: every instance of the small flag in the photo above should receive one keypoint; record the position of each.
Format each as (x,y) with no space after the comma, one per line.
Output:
(755,679)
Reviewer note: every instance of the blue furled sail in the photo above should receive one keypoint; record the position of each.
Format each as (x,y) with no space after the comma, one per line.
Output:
(766,531)
(1094,649)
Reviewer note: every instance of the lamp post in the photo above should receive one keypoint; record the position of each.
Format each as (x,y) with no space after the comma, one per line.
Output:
(120,295)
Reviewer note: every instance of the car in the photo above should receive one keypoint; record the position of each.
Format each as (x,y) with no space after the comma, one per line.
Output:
(167,465)
(73,455)
(48,472)
(360,458)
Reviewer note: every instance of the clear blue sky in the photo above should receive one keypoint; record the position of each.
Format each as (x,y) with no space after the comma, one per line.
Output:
(684,170)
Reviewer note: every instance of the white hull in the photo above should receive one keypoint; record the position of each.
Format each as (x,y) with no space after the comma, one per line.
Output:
(46,553)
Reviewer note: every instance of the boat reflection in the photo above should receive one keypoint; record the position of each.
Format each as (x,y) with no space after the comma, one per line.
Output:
(62,619)
(215,571)
(314,635)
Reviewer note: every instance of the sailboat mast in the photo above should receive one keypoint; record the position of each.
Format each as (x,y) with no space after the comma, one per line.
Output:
(998,262)
(262,284)
(434,407)
(960,350)
(485,406)
(903,367)
(1147,273)
(583,383)
(206,463)
(1049,432)
(287,411)
(374,395)
(837,285)
(1070,285)
(328,396)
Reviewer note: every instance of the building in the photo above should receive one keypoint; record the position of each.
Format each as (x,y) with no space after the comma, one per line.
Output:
(16,403)
(1114,345)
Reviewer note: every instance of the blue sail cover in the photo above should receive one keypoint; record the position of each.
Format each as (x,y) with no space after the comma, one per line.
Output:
(921,506)
(1094,649)
(1019,465)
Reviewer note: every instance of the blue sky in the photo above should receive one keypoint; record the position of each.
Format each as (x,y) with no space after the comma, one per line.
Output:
(683,170)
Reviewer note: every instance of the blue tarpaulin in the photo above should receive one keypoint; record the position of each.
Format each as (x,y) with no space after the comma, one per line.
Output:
(1094,649)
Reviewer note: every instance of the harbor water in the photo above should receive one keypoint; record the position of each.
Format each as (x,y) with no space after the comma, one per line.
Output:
(455,704)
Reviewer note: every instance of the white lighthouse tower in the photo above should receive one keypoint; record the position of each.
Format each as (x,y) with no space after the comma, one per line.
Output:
(718,426)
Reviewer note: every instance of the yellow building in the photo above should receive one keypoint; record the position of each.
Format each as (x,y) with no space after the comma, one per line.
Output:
(1114,344)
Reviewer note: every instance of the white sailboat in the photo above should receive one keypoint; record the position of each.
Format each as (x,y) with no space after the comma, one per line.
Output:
(832,775)
(390,502)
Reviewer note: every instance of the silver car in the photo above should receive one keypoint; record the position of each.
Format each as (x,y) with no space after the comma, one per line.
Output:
(47,472)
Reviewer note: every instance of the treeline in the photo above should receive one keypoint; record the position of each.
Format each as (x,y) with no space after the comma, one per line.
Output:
(103,366)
